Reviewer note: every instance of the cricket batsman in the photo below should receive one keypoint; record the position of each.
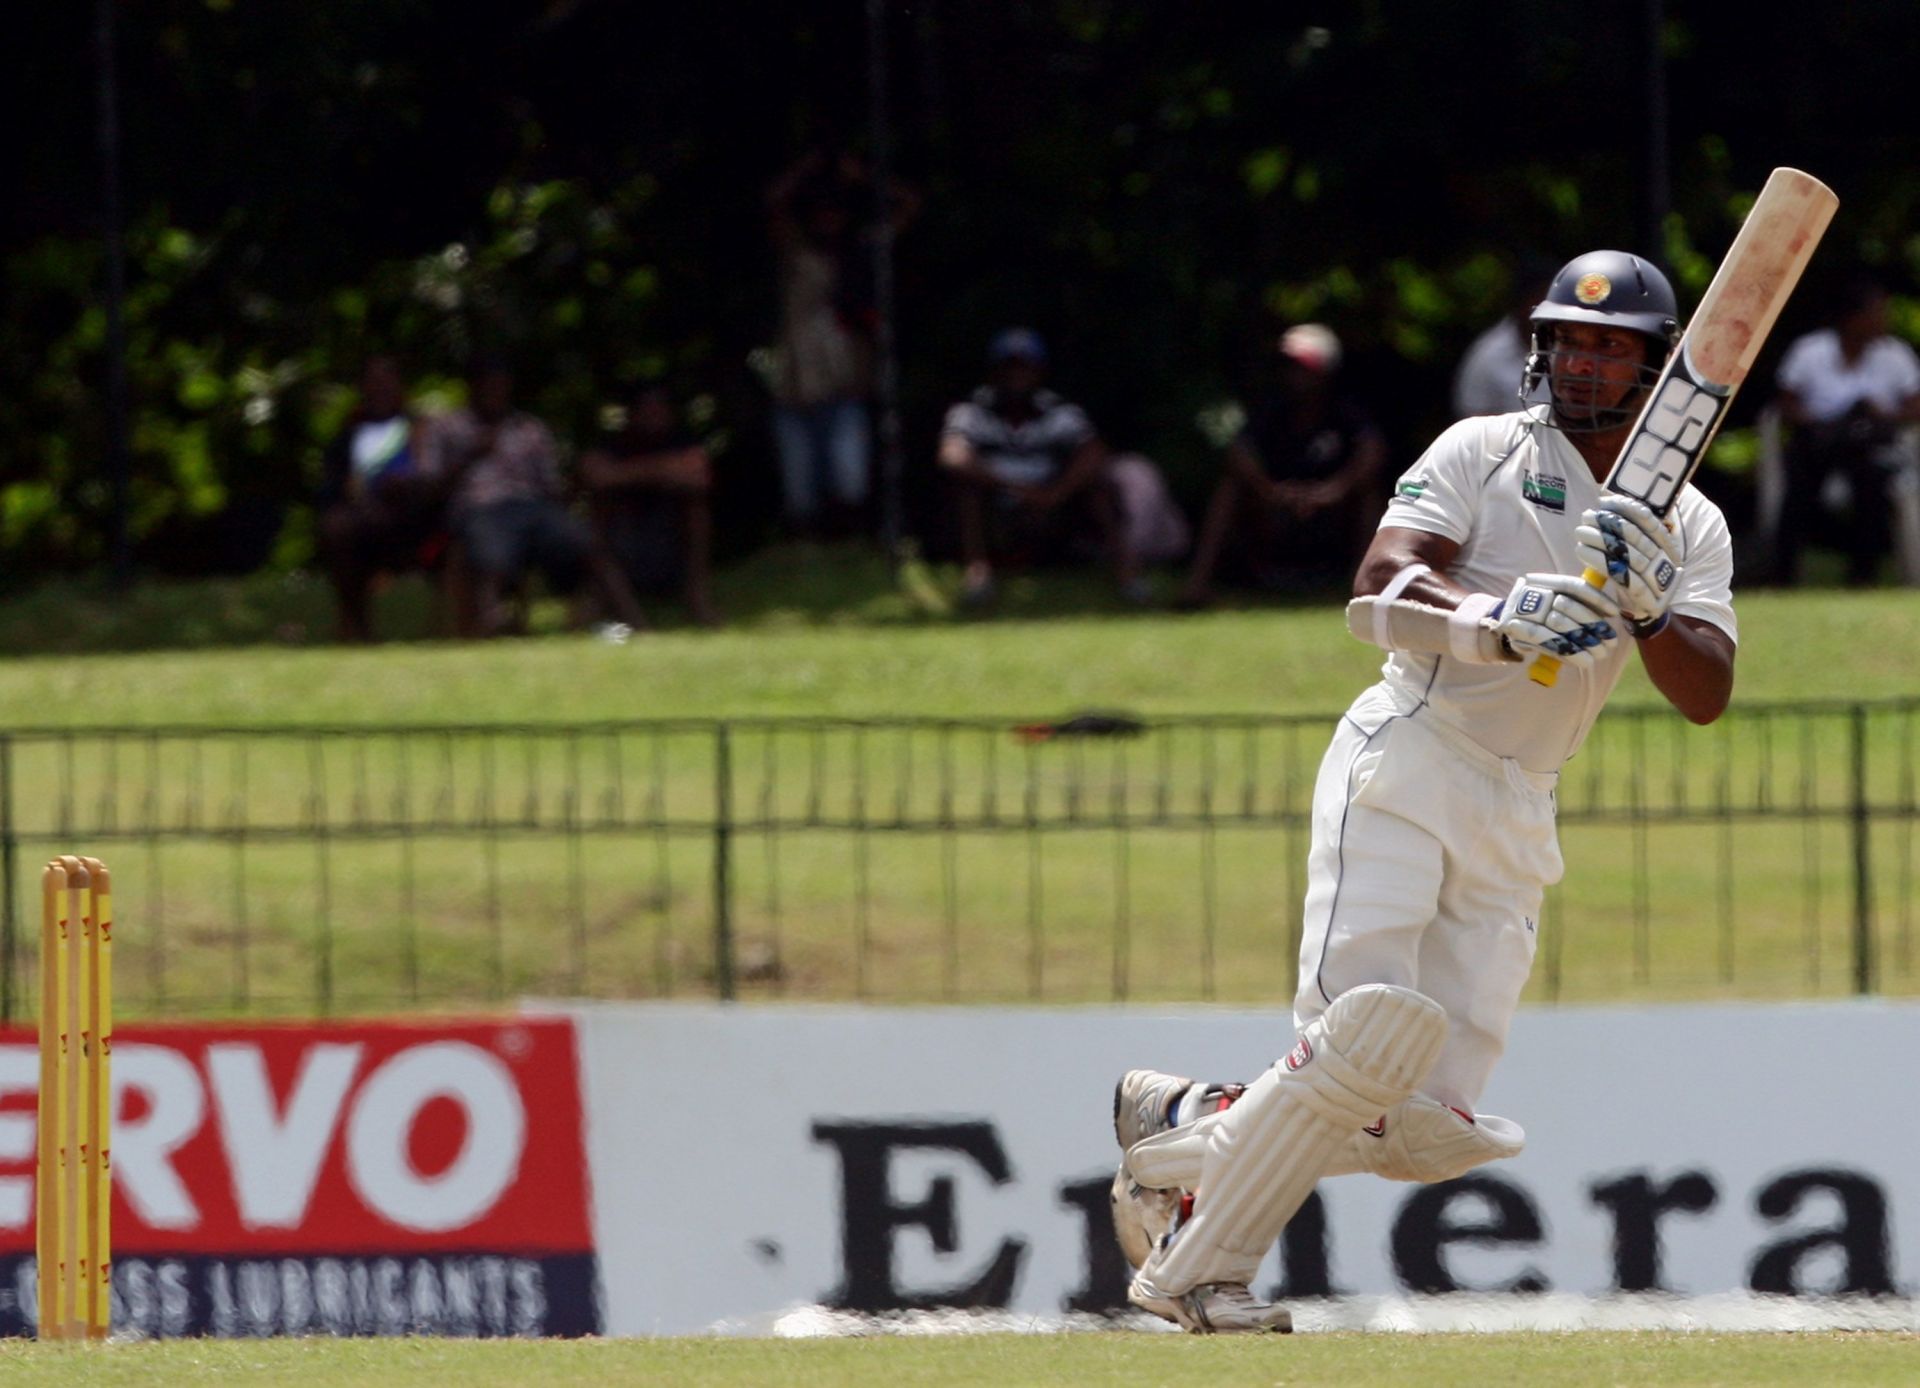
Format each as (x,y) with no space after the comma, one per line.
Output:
(1433,814)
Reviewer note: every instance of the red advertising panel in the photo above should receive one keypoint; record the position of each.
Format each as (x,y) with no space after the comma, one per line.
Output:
(365,1178)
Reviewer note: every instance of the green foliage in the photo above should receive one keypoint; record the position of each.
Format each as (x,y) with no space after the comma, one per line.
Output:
(1159,188)
(240,401)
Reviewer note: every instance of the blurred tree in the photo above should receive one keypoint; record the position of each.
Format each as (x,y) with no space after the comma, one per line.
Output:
(579,182)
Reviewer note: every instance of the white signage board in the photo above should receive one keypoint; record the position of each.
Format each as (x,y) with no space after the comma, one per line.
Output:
(748,1160)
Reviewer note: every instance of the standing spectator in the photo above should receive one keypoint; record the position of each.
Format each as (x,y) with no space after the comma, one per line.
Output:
(508,512)
(381,511)
(1845,391)
(1029,471)
(825,374)
(1489,380)
(1301,490)
(649,494)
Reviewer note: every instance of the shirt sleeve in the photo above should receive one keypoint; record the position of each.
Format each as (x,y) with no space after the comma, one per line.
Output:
(1906,370)
(1706,565)
(1439,492)
(963,419)
(1068,427)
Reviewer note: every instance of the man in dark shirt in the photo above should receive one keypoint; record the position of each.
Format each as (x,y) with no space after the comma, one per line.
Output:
(1301,490)
(1028,468)
(649,494)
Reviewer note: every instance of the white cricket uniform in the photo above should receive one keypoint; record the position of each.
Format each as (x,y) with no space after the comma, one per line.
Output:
(1433,814)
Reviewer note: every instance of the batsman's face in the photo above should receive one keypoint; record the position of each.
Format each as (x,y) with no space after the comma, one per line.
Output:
(1595,368)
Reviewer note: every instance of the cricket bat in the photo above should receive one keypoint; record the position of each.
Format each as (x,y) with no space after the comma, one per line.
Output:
(1687,404)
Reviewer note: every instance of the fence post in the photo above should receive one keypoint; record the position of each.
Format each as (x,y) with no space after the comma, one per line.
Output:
(1862,828)
(722,863)
(9,869)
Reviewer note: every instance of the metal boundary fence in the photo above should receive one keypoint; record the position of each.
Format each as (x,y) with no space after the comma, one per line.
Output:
(322,869)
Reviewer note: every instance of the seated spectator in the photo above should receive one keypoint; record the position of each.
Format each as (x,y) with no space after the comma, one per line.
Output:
(1029,472)
(1845,391)
(648,493)
(1301,492)
(508,512)
(381,510)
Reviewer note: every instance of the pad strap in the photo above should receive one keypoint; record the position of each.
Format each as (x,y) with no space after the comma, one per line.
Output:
(1395,587)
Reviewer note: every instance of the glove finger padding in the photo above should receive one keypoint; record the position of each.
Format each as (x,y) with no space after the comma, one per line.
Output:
(1558,615)
(1639,555)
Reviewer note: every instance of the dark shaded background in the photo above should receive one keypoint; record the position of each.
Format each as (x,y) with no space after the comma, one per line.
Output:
(580,183)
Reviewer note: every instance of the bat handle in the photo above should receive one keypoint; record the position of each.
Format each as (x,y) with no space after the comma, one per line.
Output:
(1546,668)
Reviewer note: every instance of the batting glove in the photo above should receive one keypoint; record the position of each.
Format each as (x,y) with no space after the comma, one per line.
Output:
(1639,554)
(1557,615)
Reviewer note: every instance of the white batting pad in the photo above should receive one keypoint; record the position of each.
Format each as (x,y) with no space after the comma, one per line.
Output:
(1421,1139)
(1365,1054)
(1171,1160)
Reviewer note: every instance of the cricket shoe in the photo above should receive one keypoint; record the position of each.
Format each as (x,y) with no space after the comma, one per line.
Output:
(1213,1308)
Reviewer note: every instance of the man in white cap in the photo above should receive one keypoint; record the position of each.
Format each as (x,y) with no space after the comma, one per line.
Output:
(1301,487)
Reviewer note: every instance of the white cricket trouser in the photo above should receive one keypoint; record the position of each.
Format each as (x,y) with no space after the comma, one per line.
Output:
(1429,859)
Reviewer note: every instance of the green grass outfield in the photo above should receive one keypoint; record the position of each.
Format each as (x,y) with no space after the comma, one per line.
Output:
(826,634)
(813,633)
(1122,1360)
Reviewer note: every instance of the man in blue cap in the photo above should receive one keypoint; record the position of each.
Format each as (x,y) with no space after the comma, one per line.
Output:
(1028,468)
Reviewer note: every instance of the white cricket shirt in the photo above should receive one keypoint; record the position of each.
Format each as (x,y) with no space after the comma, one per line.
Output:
(1510,490)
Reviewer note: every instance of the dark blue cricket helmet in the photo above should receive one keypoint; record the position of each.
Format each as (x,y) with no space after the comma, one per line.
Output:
(1614,287)
(1611,288)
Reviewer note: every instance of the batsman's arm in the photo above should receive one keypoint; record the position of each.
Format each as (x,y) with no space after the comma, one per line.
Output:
(1393,549)
(1691,663)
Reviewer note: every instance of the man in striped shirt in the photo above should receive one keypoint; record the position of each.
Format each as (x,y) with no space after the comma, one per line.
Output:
(1029,471)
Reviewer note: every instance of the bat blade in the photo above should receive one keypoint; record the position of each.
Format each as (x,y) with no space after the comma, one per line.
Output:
(1687,405)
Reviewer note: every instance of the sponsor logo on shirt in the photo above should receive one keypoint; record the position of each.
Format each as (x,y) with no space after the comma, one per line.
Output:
(1544,490)
(1412,488)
